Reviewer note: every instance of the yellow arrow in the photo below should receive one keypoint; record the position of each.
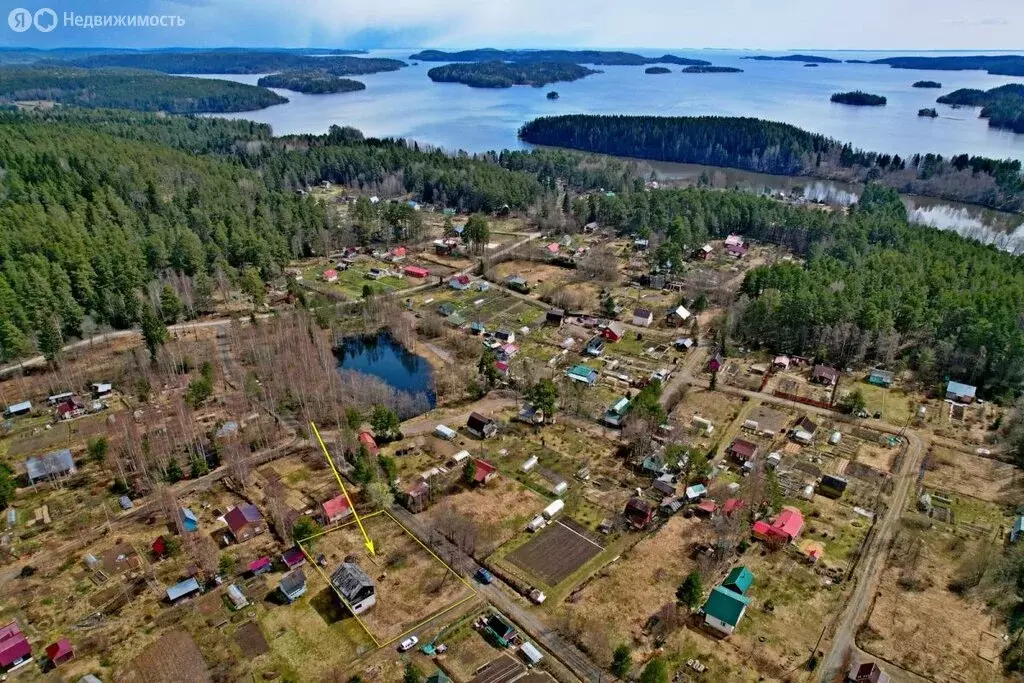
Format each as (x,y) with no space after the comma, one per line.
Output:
(351,506)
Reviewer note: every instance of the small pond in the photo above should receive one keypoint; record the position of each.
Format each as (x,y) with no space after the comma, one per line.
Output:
(381,356)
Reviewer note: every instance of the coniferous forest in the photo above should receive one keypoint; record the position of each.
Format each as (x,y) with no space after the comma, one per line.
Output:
(507,74)
(779,148)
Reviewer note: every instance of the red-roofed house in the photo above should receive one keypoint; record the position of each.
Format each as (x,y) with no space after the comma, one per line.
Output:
(416,271)
(732,505)
(245,521)
(552,248)
(741,450)
(330,275)
(14,648)
(260,566)
(366,438)
(60,652)
(459,282)
(336,509)
(159,546)
(293,557)
(706,507)
(785,527)
(397,254)
(485,471)
(639,513)
(737,250)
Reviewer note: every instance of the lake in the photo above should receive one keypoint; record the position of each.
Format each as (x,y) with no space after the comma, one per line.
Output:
(381,356)
(406,103)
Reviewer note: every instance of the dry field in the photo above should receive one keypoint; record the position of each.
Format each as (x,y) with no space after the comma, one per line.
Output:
(917,622)
(719,408)
(411,583)
(542,278)
(976,476)
(499,511)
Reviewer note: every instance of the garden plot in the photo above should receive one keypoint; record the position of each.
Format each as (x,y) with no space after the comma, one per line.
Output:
(556,552)
(973,475)
(411,583)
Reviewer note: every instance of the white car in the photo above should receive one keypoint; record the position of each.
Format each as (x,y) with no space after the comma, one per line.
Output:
(408,644)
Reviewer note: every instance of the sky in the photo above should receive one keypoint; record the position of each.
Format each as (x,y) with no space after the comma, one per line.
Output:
(976,25)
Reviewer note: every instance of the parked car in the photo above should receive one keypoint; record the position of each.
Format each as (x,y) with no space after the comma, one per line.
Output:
(408,644)
(483,576)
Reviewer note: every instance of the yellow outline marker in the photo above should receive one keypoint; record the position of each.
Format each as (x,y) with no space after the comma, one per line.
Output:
(366,539)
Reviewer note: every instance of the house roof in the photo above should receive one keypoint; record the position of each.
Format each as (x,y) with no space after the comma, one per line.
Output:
(807,424)
(825,372)
(416,270)
(259,564)
(743,448)
(681,312)
(244,514)
(736,249)
(731,505)
(366,438)
(740,579)
(349,578)
(553,247)
(189,515)
(582,371)
(438,677)
(180,590)
(696,491)
(707,505)
(62,648)
(617,328)
(642,313)
(292,581)
(961,389)
(330,272)
(789,522)
(726,605)
(483,470)
(293,557)
(336,506)
(58,462)
(638,505)
(13,644)
(478,421)
(882,374)
(19,407)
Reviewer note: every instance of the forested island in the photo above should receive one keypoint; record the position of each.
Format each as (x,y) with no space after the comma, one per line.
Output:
(506,75)
(998,65)
(779,148)
(130,89)
(927,84)
(310,82)
(598,57)
(657,70)
(930,113)
(237,62)
(812,64)
(794,58)
(553,95)
(1002,106)
(858,98)
(711,70)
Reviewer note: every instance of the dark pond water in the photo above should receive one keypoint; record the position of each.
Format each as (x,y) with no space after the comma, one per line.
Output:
(381,356)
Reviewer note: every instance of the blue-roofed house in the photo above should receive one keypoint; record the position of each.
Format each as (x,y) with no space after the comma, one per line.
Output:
(584,374)
(183,590)
(50,466)
(724,609)
(1017,529)
(189,520)
(16,409)
(961,393)
(739,580)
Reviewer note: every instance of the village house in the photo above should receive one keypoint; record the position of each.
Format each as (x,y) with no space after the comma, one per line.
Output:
(552,248)
(293,585)
(614,331)
(189,521)
(505,336)
(459,282)
(366,439)
(785,527)
(716,363)
(293,558)
(734,240)
(881,378)
(237,598)
(336,509)
(15,650)
(70,409)
(245,521)
(678,315)
(483,471)
(445,247)
(741,451)
(18,409)
(57,399)
(825,375)
(639,513)
(737,251)
(517,283)
(868,672)
(102,389)
(416,496)
(481,426)
(642,317)
(260,566)
(616,414)
(416,271)
(583,374)
(704,253)
(330,275)
(397,254)
(182,590)
(555,316)
(60,652)
(960,393)
(50,466)
(832,486)
(780,363)
(595,347)
(728,602)
(355,587)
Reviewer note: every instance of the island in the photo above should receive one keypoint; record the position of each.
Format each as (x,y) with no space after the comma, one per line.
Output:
(930,113)
(927,84)
(597,57)
(505,75)
(657,70)
(1002,106)
(553,95)
(857,61)
(227,61)
(131,89)
(997,65)
(782,149)
(310,82)
(794,58)
(812,64)
(858,98)
(712,70)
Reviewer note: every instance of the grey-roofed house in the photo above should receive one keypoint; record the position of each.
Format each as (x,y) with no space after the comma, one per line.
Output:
(15,409)
(293,585)
(182,590)
(52,465)
(355,586)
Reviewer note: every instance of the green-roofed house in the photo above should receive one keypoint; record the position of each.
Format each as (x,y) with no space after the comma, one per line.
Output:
(724,609)
(438,677)
(584,374)
(740,580)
